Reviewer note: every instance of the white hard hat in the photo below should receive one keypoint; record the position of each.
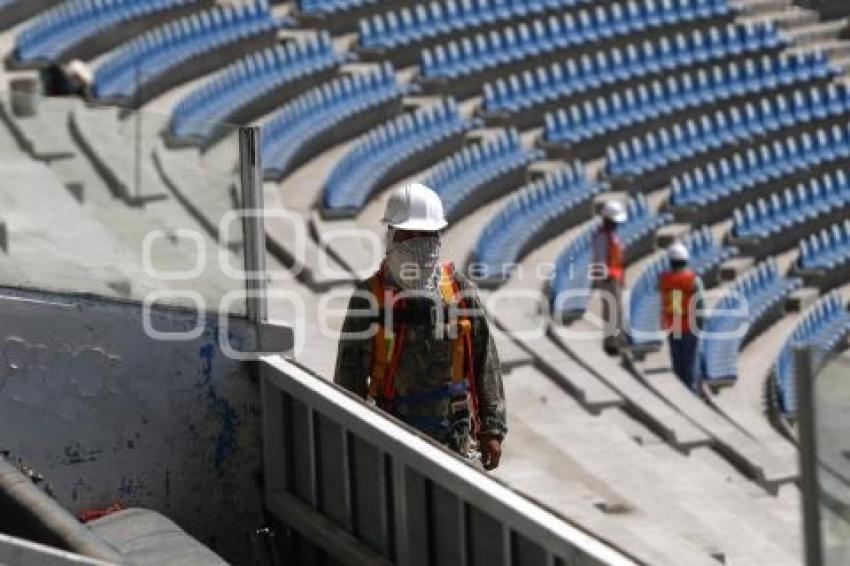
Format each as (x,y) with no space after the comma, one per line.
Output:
(614,211)
(415,207)
(678,252)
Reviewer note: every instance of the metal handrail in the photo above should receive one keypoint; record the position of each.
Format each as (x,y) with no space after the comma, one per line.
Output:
(367,489)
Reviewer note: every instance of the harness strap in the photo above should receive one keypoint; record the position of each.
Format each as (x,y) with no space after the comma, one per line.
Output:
(388,347)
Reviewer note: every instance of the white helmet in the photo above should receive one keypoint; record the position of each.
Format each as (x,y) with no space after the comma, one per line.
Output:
(415,207)
(614,211)
(678,252)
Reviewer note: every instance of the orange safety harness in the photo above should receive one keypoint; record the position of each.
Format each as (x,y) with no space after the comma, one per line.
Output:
(387,350)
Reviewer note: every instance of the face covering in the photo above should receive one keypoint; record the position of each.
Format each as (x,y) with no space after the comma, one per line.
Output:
(413,263)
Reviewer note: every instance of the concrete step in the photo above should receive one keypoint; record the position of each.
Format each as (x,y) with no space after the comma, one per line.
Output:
(747,454)
(612,458)
(651,410)
(699,502)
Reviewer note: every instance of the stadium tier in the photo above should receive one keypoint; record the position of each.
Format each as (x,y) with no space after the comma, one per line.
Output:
(171,52)
(477,174)
(822,327)
(753,301)
(54,35)
(721,125)
(253,84)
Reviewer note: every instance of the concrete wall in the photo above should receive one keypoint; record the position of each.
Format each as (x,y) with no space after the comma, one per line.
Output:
(108,414)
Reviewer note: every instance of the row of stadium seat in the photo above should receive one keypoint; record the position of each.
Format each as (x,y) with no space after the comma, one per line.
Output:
(823,327)
(785,213)
(616,111)
(658,150)
(357,175)
(542,208)
(570,289)
(567,78)
(53,33)
(395,28)
(329,7)
(513,43)
(163,49)
(714,182)
(321,111)
(249,79)
(826,249)
(750,302)
(469,178)
(645,300)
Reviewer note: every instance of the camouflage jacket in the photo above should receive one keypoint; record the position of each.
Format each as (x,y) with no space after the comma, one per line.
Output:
(424,365)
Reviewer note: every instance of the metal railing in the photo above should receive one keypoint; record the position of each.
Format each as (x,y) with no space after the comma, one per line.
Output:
(368,490)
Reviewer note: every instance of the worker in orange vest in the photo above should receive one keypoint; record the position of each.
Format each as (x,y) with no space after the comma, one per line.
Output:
(681,292)
(425,354)
(608,273)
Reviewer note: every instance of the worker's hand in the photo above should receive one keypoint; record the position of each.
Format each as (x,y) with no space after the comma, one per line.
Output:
(491,451)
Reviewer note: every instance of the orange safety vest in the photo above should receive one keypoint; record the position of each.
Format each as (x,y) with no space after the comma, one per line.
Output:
(677,291)
(608,250)
(387,350)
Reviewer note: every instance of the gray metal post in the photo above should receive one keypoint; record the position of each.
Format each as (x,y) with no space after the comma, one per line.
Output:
(807,423)
(250,161)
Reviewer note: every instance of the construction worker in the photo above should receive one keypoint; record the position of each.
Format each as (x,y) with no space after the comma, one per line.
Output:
(608,273)
(681,292)
(428,357)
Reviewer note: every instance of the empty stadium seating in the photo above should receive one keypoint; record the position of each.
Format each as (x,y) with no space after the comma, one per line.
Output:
(647,160)
(539,211)
(732,182)
(570,288)
(824,257)
(753,301)
(326,115)
(50,36)
(388,152)
(619,114)
(163,53)
(822,327)
(523,96)
(644,305)
(775,223)
(237,93)
(479,173)
(399,33)
(544,37)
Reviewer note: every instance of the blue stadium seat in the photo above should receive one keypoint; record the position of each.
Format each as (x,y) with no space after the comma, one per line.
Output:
(318,112)
(356,176)
(750,300)
(539,210)
(768,162)
(573,76)
(465,180)
(570,289)
(826,249)
(330,7)
(53,33)
(822,327)
(660,149)
(644,306)
(781,213)
(514,43)
(396,28)
(161,50)
(607,114)
(259,74)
